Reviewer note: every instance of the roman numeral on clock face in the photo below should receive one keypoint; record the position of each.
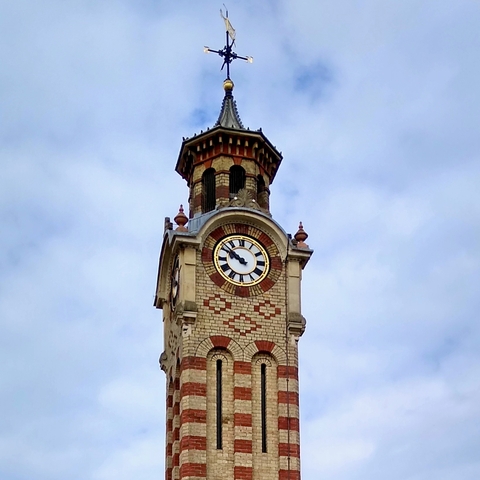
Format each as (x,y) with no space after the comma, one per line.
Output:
(225,267)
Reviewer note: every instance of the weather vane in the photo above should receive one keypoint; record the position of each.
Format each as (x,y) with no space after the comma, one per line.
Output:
(227,53)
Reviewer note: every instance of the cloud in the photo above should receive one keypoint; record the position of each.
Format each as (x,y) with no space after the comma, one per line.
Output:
(374,107)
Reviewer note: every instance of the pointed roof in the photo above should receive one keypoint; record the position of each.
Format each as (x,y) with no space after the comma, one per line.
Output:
(229,117)
(218,140)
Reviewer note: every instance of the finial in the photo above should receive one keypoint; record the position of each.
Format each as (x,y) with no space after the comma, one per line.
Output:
(181,220)
(227,53)
(300,237)
(228,86)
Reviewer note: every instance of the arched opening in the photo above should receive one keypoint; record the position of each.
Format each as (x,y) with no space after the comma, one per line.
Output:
(208,190)
(262,192)
(260,184)
(237,179)
(220,412)
(265,414)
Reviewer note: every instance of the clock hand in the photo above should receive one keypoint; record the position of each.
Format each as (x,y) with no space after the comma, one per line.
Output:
(241,260)
(235,255)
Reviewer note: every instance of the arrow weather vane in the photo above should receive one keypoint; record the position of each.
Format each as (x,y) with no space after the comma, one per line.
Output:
(227,53)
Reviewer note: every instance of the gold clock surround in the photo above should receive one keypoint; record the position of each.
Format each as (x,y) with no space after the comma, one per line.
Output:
(248,275)
(260,239)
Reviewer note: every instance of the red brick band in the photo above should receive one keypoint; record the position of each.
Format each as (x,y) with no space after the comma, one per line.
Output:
(289,450)
(285,423)
(243,473)
(194,363)
(192,442)
(191,415)
(242,420)
(193,388)
(242,393)
(197,201)
(222,191)
(288,397)
(193,470)
(288,475)
(287,372)
(244,368)
(242,446)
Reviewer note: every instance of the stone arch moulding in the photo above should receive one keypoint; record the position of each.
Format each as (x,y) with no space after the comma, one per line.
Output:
(219,341)
(265,346)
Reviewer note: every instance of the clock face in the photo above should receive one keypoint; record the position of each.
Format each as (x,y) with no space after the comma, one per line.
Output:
(241,260)
(175,283)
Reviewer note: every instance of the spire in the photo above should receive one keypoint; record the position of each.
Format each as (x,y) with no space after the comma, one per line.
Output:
(229,117)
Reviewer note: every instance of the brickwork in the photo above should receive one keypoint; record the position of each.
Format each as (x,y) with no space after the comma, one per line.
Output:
(169,431)
(176,428)
(220,461)
(245,328)
(265,464)
(222,165)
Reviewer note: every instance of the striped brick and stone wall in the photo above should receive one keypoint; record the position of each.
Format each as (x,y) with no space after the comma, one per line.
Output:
(241,456)
(244,332)
(222,164)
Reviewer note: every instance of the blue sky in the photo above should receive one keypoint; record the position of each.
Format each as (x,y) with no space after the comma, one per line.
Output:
(375,107)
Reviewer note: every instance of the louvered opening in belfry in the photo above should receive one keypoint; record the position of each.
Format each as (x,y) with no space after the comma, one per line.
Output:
(208,190)
(237,179)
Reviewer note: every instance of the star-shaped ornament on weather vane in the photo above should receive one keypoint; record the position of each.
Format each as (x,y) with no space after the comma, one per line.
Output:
(227,52)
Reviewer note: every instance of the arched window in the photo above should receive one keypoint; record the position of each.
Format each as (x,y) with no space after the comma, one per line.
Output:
(237,179)
(219,403)
(265,414)
(263,404)
(220,413)
(208,190)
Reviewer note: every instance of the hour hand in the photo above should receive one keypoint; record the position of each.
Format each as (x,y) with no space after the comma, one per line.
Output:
(237,257)
(241,260)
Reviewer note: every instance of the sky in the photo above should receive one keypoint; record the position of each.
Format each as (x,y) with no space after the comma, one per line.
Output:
(375,107)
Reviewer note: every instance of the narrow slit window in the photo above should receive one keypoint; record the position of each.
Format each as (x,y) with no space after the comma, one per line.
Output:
(219,404)
(263,400)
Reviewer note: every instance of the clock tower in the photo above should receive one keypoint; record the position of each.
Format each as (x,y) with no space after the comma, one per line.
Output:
(229,287)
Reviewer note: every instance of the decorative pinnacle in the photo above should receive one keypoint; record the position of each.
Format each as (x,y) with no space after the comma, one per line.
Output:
(181,220)
(227,52)
(300,237)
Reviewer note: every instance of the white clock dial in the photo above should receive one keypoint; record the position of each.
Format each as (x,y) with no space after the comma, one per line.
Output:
(241,260)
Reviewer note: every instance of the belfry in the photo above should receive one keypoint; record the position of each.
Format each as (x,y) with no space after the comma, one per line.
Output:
(229,285)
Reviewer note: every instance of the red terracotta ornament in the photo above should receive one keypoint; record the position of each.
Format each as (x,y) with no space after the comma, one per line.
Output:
(301,236)
(181,220)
